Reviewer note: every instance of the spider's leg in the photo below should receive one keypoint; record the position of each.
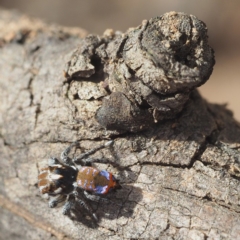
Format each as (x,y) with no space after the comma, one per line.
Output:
(84,204)
(95,198)
(84,155)
(53,161)
(89,161)
(54,201)
(64,155)
(69,204)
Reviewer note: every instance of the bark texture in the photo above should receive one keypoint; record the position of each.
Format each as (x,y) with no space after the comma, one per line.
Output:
(180,177)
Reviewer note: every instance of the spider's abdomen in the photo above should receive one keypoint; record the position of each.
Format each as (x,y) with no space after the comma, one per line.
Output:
(94,180)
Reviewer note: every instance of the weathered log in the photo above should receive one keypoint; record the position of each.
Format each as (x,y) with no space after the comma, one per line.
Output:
(180,174)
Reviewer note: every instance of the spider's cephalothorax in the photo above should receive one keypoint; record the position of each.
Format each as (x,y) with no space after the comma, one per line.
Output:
(68,181)
(56,178)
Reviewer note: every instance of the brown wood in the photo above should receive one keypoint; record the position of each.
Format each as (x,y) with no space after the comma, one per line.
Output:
(180,179)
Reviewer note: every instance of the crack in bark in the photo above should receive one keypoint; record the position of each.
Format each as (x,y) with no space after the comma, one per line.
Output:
(207,197)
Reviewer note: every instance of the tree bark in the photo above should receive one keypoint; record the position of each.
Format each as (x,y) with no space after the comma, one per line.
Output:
(180,178)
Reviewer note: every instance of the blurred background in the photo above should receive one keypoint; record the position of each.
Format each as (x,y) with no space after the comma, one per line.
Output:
(222,18)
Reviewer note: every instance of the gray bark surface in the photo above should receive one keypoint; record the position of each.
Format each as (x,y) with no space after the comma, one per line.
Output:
(180,178)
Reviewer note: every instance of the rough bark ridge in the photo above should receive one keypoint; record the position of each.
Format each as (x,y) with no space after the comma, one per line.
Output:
(180,177)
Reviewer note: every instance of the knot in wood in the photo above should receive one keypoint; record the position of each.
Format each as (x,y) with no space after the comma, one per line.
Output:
(148,72)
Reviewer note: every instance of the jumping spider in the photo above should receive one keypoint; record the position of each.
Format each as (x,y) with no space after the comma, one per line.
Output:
(74,183)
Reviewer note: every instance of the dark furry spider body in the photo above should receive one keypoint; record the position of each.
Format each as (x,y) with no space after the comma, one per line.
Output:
(70,182)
